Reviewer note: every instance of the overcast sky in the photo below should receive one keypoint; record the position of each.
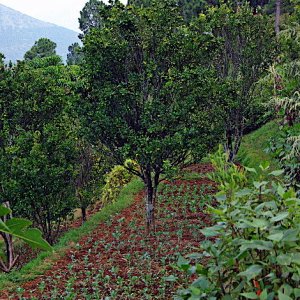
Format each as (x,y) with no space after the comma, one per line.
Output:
(61,12)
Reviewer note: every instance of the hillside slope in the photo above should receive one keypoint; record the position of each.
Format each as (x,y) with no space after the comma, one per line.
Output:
(19,32)
(252,152)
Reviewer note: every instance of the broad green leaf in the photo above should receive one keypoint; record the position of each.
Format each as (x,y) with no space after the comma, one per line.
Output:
(296,258)
(251,295)
(296,292)
(202,283)
(33,237)
(3,227)
(259,223)
(221,196)
(210,231)
(4,211)
(243,193)
(284,259)
(286,289)
(277,173)
(251,170)
(195,291)
(16,225)
(257,244)
(215,211)
(264,295)
(252,272)
(277,237)
(291,235)
(280,190)
(283,297)
(281,216)
(183,263)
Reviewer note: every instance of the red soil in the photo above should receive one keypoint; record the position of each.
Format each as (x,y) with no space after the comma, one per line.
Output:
(118,251)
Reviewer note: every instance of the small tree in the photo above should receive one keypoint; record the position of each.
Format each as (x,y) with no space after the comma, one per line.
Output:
(149,98)
(92,165)
(38,144)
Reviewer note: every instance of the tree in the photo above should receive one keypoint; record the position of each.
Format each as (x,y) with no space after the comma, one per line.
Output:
(41,48)
(91,16)
(249,47)
(149,96)
(75,55)
(92,165)
(38,143)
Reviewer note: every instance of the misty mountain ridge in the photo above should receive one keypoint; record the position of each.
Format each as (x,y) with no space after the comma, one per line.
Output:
(18,33)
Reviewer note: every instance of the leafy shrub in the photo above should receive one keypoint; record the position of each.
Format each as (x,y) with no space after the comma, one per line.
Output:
(228,175)
(115,180)
(253,250)
(285,147)
(16,228)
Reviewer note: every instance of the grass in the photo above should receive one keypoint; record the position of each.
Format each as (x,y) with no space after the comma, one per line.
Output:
(45,259)
(252,152)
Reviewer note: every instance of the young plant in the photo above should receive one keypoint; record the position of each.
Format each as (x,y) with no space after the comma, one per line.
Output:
(253,250)
(11,228)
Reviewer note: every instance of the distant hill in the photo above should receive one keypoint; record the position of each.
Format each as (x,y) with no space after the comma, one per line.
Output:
(18,32)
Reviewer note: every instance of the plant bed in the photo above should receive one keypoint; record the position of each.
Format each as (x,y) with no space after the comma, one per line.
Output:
(118,260)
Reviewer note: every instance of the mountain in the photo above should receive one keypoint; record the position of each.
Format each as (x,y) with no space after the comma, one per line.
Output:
(18,32)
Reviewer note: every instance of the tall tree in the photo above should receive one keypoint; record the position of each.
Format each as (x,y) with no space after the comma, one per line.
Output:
(150,98)
(41,48)
(91,16)
(249,47)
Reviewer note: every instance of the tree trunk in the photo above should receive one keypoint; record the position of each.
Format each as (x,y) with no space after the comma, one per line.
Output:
(277,16)
(83,213)
(150,207)
(9,247)
(151,187)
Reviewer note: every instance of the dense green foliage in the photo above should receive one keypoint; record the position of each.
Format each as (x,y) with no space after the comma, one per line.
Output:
(281,89)
(155,86)
(91,15)
(41,48)
(145,74)
(248,48)
(75,55)
(254,254)
(115,180)
(38,143)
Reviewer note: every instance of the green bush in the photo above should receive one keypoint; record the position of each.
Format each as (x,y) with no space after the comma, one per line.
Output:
(115,180)
(253,250)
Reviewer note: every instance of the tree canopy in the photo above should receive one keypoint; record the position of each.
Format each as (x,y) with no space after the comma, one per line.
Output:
(145,70)
(41,48)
